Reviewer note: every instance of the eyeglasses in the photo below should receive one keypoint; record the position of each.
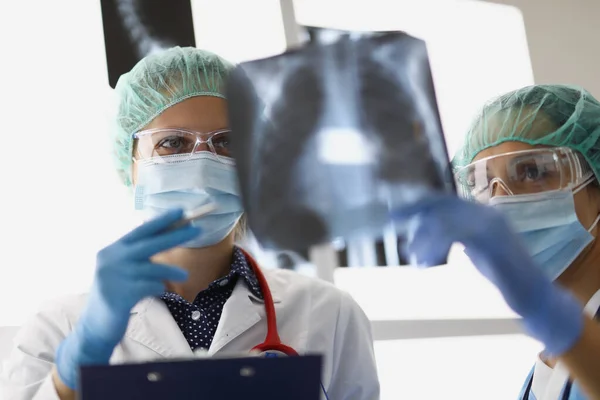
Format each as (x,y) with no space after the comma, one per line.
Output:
(522,172)
(176,145)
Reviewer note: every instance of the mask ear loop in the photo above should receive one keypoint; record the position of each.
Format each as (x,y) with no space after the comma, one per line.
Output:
(594,223)
(578,189)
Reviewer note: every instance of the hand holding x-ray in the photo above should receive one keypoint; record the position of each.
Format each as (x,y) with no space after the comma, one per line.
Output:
(330,137)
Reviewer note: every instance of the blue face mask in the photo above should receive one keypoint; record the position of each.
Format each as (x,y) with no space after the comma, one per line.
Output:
(189,185)
(549,227)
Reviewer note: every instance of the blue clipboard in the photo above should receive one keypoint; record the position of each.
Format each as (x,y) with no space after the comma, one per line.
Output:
(290,378)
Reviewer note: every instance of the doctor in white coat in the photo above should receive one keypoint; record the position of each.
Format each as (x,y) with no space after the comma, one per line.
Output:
(160,293)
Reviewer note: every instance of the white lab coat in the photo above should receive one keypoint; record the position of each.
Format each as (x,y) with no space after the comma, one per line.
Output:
(312,316)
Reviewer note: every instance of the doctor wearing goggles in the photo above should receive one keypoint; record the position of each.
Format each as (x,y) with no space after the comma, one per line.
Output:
(163,293)
(529,170)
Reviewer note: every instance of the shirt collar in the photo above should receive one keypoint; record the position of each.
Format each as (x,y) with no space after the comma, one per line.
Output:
(240,267)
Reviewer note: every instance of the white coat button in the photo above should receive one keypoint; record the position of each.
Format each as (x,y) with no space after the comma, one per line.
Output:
(224,282)
(196,315)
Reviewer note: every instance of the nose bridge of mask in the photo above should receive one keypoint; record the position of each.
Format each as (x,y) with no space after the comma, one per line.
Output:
(195,174)
(537,211)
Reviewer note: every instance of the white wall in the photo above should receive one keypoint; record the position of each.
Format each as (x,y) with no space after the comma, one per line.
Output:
(563,40)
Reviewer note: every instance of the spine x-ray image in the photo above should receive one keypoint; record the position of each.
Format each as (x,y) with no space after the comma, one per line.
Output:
(328,138)
(135,28)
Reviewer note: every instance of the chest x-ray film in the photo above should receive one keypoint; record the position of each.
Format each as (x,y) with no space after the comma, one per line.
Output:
(135,28)
(330,137)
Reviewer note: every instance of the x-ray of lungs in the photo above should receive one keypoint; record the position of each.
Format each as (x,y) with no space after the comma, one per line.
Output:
(330,137)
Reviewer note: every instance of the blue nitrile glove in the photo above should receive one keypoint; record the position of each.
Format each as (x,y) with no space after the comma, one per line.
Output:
(124,276)
(550,314)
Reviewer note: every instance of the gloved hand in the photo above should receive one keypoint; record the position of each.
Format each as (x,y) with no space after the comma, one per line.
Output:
(550,314)
(124,276)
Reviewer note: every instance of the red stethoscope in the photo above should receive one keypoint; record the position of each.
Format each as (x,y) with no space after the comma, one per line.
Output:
(272,345)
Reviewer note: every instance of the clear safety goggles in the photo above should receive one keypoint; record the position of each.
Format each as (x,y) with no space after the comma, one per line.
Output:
(522,172)
(176,145)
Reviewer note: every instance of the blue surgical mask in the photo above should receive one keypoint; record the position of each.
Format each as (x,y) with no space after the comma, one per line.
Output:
(189,185)
(549,227)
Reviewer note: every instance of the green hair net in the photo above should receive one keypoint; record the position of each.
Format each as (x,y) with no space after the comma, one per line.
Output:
(157,82)
(551,115)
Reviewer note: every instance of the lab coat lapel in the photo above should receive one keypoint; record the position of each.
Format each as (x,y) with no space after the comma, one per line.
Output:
(241,312)
(152,325)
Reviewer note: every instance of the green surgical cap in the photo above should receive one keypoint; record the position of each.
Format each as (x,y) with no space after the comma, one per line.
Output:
(157,82)
(550,115)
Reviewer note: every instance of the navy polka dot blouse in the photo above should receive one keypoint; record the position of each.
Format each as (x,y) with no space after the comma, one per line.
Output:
(198,321)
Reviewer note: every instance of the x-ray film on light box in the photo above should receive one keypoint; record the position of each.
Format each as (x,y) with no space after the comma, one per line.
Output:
(134,29)
(330,137)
